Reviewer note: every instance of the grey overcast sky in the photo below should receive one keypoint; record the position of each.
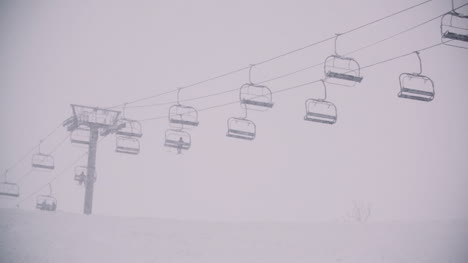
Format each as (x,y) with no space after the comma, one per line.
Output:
(409,159)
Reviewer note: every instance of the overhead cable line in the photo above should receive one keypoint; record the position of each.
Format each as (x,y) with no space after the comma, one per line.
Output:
(274,57)
(303,84)
(33,148)
(299,70)
(50,153)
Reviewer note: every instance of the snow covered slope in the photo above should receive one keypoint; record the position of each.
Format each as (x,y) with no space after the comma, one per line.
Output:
(34,236)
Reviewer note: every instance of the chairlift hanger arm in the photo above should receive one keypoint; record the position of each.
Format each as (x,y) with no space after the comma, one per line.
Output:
(324,89)
(336,39)
(420,62)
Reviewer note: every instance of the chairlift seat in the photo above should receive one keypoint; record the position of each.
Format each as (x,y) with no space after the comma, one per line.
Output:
(343,76)
(129,145)
(180,116)
(43,161)
(321,111)
(454,36)
(342,71)
(240,134)
(177,144)
(416,87)
(241,129)
(255,97)
(9,189)
(257,103)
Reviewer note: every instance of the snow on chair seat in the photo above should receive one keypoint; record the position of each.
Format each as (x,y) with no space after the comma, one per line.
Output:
(241,128)
(454,29)
(128,145)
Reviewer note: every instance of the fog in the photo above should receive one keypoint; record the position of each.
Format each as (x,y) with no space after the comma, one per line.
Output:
(406,159)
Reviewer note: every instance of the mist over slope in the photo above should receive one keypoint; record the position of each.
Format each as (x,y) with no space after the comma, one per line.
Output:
(34,236)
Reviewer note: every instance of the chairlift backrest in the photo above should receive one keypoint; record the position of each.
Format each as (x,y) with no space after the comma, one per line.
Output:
(340,70)
(130,128)
(181,116)
(454,29)
(255,97)
(241,128)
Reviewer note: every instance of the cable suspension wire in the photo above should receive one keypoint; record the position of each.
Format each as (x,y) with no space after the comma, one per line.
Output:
(50,153)
(302,69)
(223,105)
(303,84)
(275,57)
(33,148)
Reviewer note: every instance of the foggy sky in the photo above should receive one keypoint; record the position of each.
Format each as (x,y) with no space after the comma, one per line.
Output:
(407,158)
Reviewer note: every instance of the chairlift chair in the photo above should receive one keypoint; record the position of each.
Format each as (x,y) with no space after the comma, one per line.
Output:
(341,70)
(177,139)
(256,97)
(80,135)
(130,128)
(241,128)
(321,110)
(416,86)
(43,161)
(128,145)
(454,29)
(46,203)
(9,189)
(181,116)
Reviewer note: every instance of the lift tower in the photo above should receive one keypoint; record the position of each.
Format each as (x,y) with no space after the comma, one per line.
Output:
(99,122)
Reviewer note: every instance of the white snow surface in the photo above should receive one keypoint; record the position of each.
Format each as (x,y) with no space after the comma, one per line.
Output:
(35,236)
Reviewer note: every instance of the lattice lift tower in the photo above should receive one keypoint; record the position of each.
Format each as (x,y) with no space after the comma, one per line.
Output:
(100,122)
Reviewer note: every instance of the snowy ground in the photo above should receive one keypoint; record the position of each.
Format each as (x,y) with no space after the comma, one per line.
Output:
(34,236)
